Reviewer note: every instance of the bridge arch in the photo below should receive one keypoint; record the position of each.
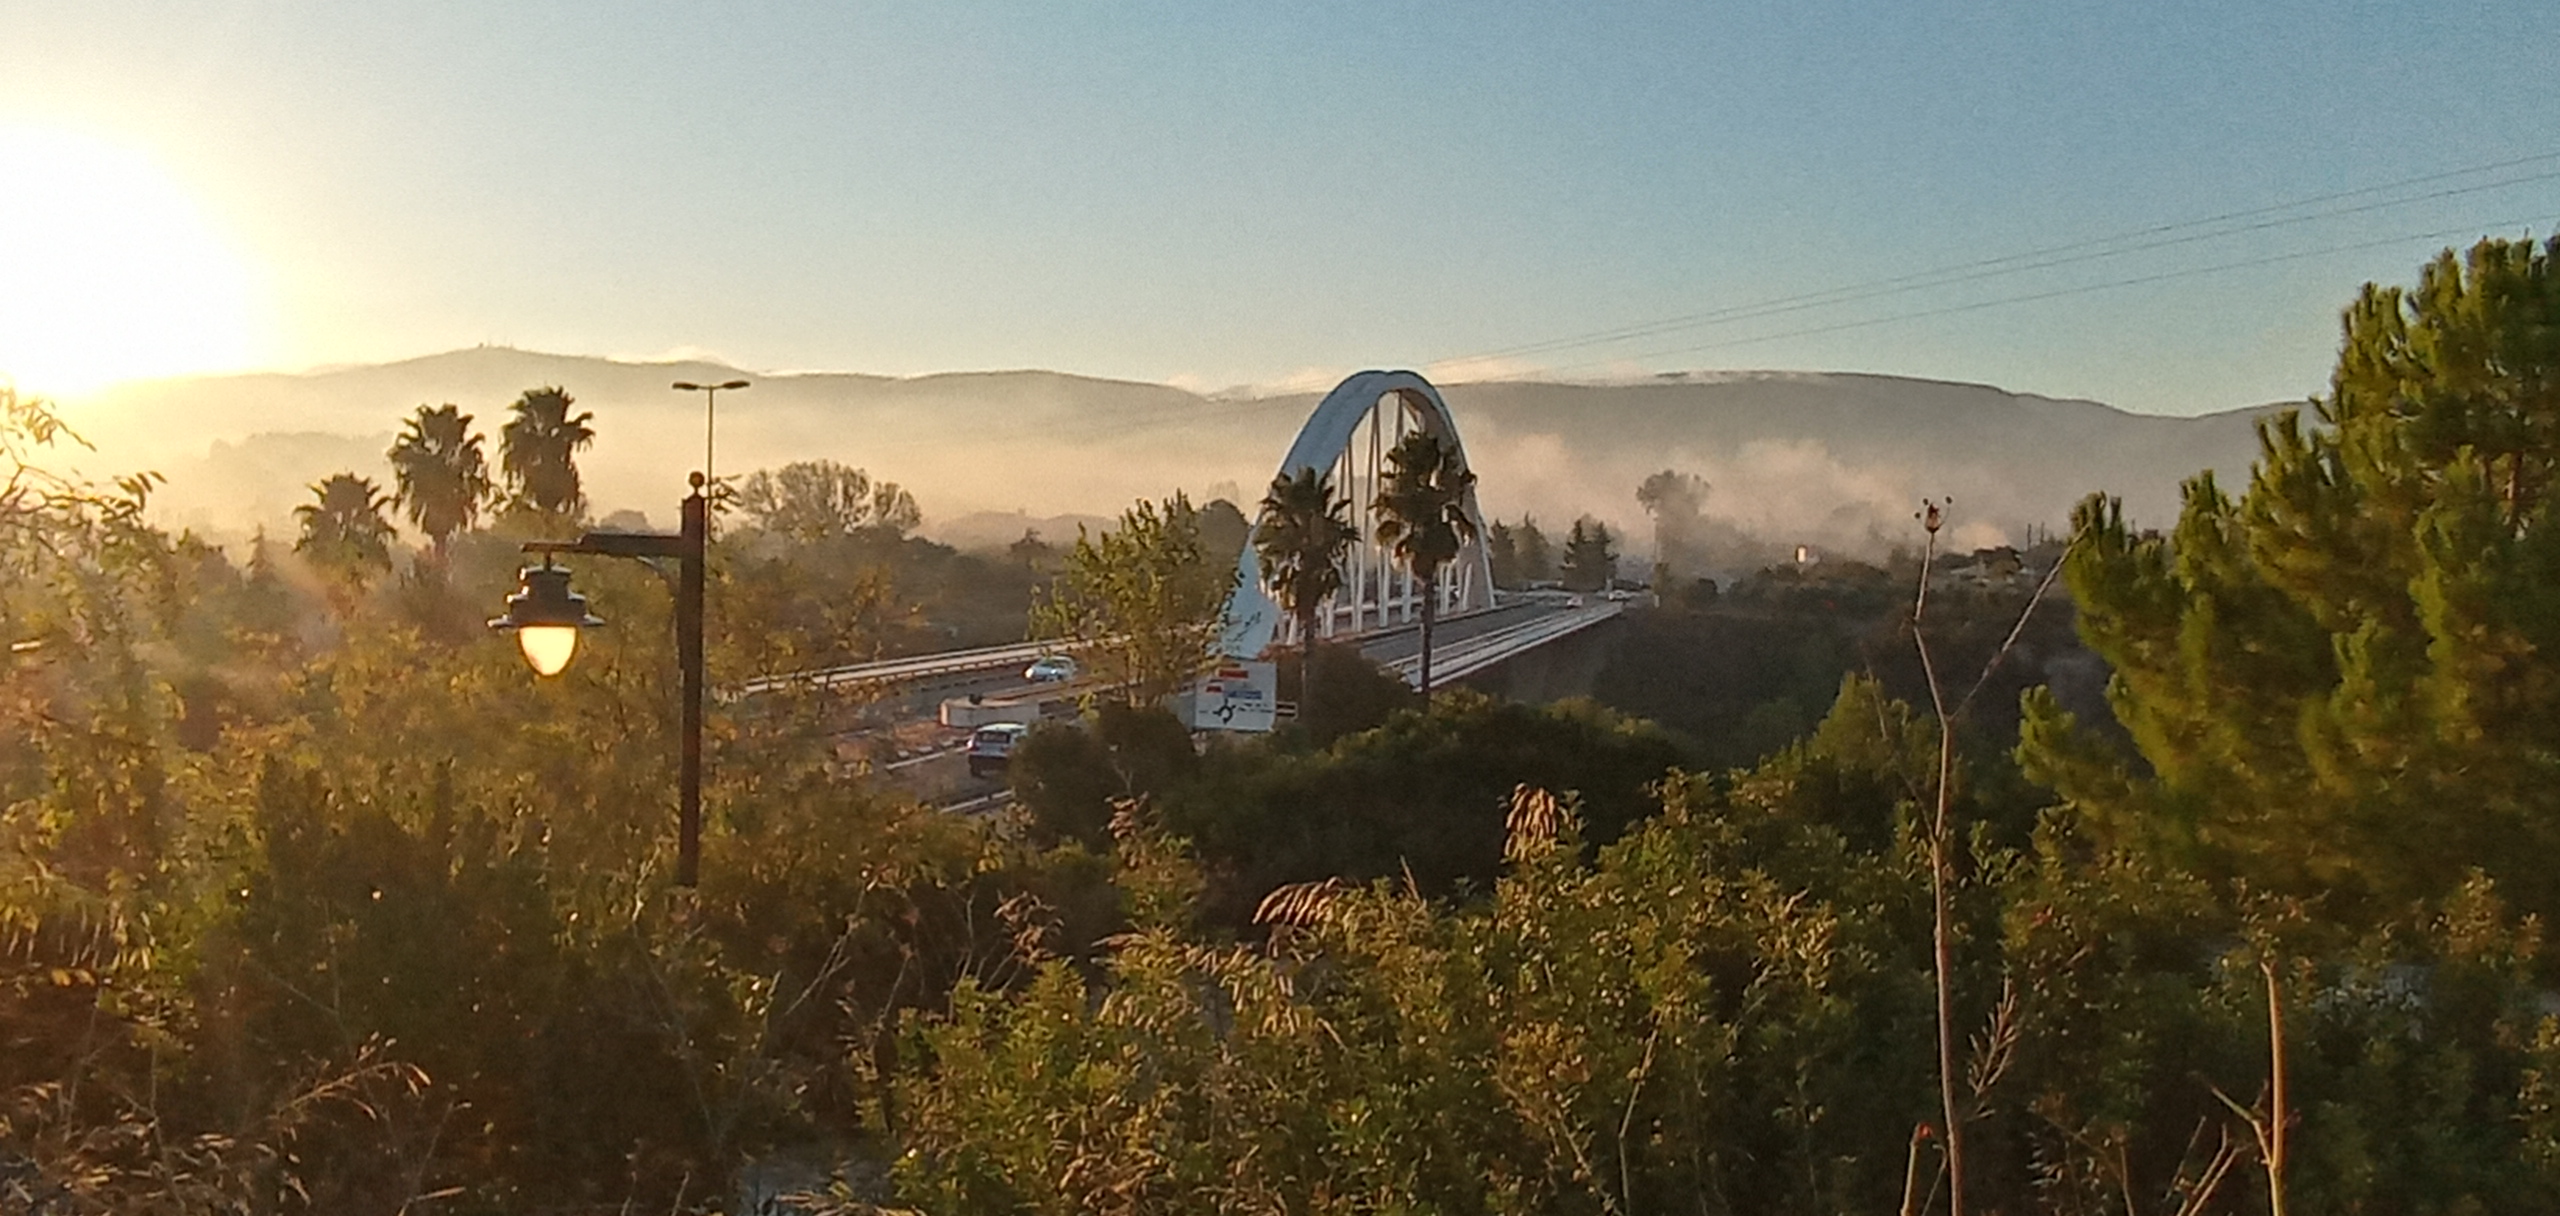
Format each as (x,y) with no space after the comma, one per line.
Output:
(1349,436)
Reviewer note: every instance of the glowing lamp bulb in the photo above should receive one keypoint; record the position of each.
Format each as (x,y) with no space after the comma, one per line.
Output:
(548,648)
(546,617)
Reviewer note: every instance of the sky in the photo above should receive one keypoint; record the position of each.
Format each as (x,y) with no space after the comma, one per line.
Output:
(1221,195)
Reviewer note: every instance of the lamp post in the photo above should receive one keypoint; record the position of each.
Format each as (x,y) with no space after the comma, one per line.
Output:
(710,405)
(546,618)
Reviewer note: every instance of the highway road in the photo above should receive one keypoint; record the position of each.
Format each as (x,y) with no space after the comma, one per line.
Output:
(934,768)
(1405,641)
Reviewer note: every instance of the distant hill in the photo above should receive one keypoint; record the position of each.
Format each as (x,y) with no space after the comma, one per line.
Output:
(1831,459)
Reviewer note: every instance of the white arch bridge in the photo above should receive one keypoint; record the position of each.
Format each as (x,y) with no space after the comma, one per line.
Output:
(1380,604)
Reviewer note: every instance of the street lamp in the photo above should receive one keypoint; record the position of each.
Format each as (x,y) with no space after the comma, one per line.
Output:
(710,403)
(546,617)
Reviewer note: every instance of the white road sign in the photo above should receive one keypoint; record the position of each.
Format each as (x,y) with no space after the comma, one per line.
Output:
(1237,695)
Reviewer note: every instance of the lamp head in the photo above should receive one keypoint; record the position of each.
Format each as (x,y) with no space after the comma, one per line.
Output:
(546,617)
(733,384)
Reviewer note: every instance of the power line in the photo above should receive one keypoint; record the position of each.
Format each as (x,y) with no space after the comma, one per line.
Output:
(2039,259)
(1184,414)
(1853,296)
(2155,236)
(2047,295)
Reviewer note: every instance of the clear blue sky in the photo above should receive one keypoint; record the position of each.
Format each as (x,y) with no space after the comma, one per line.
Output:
(1243,193)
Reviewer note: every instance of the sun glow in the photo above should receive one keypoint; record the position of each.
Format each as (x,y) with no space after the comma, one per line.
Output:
(110,271)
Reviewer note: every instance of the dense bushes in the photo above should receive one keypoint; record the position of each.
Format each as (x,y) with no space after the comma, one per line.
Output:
(1419,798)
(310,900)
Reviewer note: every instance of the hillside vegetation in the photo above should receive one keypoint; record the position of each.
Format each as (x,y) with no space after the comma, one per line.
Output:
(312,899)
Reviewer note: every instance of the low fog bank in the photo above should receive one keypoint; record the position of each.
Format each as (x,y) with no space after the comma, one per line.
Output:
(1835,461)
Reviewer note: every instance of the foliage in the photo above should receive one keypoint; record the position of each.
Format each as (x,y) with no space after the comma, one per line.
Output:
(1069,777)
(1422,517)
(538,453)
(1419,797)
(344,531)
(310,905)
(1728,1010)
(1590,556)
(441,477)
(1345,693)
(1223,529)
(302,916)
(2341,683)
(1141,602)
(1300,535)
(1519,553)
(814,501)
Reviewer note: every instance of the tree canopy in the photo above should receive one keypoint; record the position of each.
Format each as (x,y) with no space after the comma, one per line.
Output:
(1422,517)
(439,475)
(2342,682)
(1142,602)
(1590,556)
(1301,533)
(810,501)
(538,452)
(344,529)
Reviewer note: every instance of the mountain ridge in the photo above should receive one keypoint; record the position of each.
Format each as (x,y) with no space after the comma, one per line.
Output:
(1830,458)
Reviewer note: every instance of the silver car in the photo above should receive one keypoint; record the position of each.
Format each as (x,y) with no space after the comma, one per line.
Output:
(1050,669)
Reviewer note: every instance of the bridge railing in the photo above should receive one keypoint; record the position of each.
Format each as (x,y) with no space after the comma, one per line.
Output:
(918,667)
(1467,656)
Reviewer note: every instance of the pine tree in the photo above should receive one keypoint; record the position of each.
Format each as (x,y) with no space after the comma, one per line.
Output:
(1590,556)
(1502,552)
(1537,557)
(2346,680)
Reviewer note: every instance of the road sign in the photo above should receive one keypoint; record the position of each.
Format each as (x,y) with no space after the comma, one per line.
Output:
(1237,696)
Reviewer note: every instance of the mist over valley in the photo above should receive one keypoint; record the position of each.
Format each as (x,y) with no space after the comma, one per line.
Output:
(1832,460)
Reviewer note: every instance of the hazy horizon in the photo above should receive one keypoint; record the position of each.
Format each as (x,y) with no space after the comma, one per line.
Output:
(1831,459)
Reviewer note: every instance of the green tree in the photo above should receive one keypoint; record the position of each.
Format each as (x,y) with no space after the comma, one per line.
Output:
(1502,552)
(810,501)
(344,529)
(1223,529)
(440,477)
(1590,556)
(1142,602)
(538,453)
(1422,517)
(2343,682)
(1300,535)
(1536,557)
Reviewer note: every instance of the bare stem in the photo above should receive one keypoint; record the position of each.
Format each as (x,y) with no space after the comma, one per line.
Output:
(1941,931)
(2277,1114)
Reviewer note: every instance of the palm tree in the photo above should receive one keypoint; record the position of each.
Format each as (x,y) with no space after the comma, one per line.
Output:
(539,452)
(1422,515)
(1300,536)
(343,527)
(441,476)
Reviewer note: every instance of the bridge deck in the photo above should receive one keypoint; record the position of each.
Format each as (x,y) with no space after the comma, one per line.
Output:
(1464,643)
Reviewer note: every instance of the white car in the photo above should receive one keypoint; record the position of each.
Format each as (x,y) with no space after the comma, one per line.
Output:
(1050,669)
(992,746)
